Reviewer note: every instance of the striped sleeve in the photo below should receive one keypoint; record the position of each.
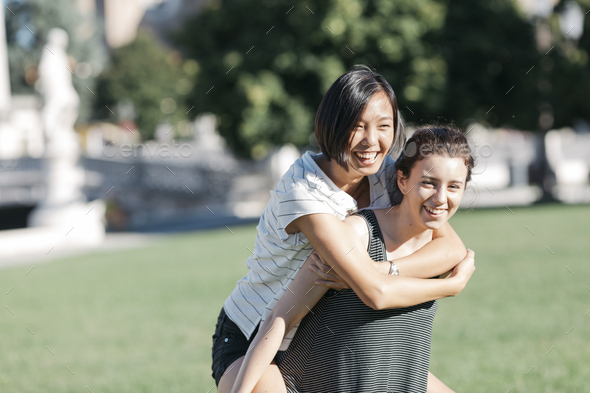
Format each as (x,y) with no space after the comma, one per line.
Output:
(297,202)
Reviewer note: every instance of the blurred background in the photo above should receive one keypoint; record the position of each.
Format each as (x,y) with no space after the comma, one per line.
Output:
(139,140)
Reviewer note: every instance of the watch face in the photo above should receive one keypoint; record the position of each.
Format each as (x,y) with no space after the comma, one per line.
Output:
(395,269)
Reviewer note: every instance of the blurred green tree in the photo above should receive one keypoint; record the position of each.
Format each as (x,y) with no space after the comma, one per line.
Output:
(563,81)
(145,82)
(566,71)
(264,66)
(489,49)
(27,25)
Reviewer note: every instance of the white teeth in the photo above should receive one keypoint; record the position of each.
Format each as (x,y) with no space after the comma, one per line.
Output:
(367,156)
(434,211)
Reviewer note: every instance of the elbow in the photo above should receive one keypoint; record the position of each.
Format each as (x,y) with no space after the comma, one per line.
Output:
(378,299)
(388,297)
(461,253)
(386,305)
(381,299)
(374,304)
(454,256)
(373,297)
(378,305)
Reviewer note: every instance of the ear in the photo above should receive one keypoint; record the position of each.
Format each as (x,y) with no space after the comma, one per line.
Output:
(402,182)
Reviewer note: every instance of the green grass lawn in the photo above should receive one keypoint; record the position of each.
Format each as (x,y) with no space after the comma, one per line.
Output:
(141,320)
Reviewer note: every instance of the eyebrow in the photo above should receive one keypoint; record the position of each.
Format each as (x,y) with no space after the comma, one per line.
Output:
(380,119)
(434,178)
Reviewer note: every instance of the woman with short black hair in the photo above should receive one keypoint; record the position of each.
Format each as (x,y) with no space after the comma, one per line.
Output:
(357,126)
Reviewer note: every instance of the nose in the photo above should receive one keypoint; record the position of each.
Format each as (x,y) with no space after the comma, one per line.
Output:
(370,136)
(440,196)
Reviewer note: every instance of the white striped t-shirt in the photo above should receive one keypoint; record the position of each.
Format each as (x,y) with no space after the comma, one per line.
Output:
(278,256)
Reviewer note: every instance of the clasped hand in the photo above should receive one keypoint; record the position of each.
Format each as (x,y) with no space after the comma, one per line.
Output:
(327,275)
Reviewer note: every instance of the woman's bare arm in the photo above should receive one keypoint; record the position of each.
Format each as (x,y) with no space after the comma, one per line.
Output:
(295,303)
(340,247)
(438,256)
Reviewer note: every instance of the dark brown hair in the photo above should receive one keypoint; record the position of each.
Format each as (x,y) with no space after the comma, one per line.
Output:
(342,107)
(432,140)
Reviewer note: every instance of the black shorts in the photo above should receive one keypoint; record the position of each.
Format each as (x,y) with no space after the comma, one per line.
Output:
(229,344)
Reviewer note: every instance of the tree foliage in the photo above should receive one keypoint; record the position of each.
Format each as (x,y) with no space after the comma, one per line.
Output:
(147,79)
(490,52)
(27,25)
(265,74)
(566,73)
(264,66)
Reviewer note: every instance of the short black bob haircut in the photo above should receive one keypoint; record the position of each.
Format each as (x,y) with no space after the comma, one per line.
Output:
(341,110)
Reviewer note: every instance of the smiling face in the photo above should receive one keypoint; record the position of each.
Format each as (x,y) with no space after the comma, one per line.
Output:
(433,191)
(372,137)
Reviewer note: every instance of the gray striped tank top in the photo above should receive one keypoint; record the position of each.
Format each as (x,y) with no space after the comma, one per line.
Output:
(343,345)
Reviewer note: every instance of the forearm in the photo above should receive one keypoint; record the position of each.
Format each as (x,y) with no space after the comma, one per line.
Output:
(409,291)
(399,292)
(382,267)
(348,257)
(260,354)
(435,385)
(438,256)
(295,303)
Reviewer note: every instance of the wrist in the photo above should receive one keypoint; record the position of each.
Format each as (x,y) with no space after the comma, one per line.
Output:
(393,270)
(382,267)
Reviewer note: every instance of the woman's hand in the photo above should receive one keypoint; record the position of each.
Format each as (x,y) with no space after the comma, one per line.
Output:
(463,271)
(328,276)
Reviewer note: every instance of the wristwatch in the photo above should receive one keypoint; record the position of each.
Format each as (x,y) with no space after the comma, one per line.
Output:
(393,270)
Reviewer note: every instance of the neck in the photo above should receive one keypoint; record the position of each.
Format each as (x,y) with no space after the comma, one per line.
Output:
(348,182)
(402,228)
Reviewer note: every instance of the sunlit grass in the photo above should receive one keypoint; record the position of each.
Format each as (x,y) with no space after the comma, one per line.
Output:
(129,321)
(520,303)
(141,320)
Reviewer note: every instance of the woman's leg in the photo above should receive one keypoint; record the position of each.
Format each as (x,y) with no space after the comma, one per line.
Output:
(271,381)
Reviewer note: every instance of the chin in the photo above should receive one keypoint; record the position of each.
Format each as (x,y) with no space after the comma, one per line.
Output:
(434,225)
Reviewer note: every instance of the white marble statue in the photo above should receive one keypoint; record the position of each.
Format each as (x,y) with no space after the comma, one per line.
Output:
(64,204)
(59,98)
(205,133)
(59,112)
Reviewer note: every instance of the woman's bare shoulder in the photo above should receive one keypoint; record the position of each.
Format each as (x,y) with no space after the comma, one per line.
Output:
(359,225)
